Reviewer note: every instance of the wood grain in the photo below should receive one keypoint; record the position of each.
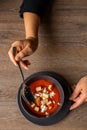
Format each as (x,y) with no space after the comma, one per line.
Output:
(62,49)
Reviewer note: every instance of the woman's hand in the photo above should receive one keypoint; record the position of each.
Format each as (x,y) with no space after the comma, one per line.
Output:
(79,95)
(24,48)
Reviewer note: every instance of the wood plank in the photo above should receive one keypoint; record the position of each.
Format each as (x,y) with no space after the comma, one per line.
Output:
(62,49)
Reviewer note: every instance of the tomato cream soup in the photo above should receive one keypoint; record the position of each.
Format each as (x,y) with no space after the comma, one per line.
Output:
(47,98)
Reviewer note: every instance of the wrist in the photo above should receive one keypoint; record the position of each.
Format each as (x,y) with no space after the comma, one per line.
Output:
(33,43)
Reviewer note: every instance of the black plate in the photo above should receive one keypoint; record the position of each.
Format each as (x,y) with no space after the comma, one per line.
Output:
(61,113)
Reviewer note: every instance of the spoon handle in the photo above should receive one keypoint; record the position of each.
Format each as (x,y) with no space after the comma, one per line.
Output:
(26,91)
(14,53)
(21,72)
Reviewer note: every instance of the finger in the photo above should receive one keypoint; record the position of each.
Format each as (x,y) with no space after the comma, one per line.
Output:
(73,87)
(23,53)
(12,58)
(75,93)
(86,101)
(25,64)
(80,100)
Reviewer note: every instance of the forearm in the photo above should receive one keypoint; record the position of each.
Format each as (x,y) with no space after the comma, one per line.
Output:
(31,22)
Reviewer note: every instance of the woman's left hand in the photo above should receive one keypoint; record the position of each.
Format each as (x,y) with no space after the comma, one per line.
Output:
(79,95)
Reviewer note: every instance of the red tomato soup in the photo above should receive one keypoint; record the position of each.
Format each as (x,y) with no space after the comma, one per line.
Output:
(47,98)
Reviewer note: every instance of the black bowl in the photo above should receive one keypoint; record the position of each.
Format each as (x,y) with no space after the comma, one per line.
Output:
(64,91)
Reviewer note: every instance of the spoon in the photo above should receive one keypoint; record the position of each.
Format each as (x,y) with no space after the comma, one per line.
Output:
(26,92)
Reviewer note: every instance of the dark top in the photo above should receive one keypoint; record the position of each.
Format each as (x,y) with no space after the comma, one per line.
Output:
(34,6)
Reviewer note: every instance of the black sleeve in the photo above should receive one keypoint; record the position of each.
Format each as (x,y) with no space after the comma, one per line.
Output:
(34,6)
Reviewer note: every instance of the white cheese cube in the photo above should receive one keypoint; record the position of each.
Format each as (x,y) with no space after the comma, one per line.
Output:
(43,108)
(52,94)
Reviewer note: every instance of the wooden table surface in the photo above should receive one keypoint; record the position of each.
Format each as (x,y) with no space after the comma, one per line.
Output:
(62,49)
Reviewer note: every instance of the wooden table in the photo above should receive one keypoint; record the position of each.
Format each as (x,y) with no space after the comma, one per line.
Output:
(62,49)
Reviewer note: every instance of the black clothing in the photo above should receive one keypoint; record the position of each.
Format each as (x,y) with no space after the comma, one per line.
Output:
(34,6)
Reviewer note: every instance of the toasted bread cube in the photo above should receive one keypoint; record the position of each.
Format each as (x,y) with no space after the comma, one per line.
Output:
(45,95)
(44,101)
(50,87)
(37,101)
(33,105)
(38,88)
(36,109)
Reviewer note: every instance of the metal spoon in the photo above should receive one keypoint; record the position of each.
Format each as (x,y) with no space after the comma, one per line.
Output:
(26,92)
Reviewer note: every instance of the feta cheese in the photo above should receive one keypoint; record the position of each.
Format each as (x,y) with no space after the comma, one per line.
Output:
(43,108)
(52,94)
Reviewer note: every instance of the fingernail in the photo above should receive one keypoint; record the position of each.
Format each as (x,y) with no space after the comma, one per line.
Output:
(26,68)
(70,98)
(16,64)
(70,109)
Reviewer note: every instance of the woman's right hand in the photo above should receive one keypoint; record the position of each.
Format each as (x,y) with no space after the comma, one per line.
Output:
(24,48)
(79,95)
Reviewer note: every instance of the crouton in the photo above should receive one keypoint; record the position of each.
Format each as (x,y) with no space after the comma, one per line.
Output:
(36,109)
(38,88)
(50,87)
(37,101)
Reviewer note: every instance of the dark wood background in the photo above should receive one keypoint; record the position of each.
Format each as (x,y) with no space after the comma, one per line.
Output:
(62,49)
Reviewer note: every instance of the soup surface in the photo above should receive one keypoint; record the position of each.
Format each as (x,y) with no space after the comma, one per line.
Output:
(47,98)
